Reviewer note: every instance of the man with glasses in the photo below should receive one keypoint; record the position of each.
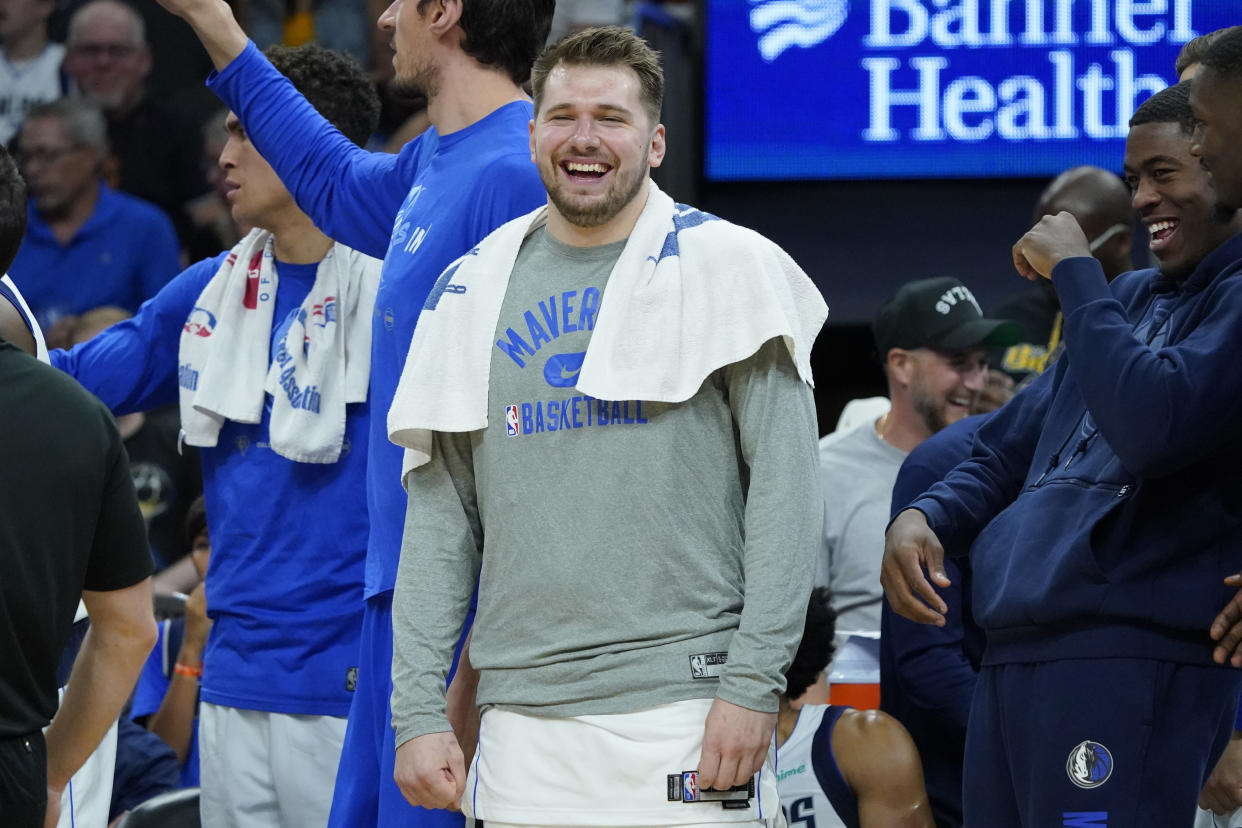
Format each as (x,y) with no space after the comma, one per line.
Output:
(29,64)
(86,245)
(158,151)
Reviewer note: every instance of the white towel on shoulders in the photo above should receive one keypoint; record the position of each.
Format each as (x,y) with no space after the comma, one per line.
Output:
(690,293)
(323,362)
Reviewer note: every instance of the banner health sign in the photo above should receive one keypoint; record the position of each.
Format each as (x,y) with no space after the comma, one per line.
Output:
(935,88)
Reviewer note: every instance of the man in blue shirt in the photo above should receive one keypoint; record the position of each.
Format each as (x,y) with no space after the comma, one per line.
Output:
(288,535)
(76,256)
(1104,501)
(420,209)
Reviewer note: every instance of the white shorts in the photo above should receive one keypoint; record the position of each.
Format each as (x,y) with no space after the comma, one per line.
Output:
(266,770)
(594,770)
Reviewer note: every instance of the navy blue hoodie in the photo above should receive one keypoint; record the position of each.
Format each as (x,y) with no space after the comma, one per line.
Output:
(1107,496)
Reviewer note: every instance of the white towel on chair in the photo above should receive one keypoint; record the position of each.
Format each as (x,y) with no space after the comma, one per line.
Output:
(323,362)
(689,294)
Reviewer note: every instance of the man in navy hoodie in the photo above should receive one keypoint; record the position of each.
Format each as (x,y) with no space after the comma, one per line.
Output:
(1107,503)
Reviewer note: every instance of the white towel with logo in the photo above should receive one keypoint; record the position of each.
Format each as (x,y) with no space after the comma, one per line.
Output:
(323,362)
(689,294)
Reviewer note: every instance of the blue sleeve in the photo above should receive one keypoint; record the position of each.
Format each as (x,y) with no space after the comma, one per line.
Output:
(960,505)
(161,256)
(1159,410)
(351,194)
(152,682)
(132,366)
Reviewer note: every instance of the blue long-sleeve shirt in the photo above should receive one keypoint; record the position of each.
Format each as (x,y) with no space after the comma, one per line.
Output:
(284,584)
(1107,497)
(420,210)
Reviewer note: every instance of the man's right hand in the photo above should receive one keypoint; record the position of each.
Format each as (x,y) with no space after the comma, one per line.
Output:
(910,546)
(197,622)
(431,772)
(212,20)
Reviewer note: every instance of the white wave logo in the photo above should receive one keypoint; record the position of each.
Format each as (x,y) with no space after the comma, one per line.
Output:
(785,23)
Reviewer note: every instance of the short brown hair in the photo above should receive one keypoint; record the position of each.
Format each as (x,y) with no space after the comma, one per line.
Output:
(1195,48)
(606,46)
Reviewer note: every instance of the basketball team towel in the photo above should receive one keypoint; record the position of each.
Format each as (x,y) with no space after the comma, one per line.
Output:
(689,294)
(322,363)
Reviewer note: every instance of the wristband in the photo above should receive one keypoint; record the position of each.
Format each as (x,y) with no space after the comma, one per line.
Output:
(186,670)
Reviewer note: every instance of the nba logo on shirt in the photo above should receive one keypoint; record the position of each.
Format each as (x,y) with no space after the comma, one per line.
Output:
(511,421)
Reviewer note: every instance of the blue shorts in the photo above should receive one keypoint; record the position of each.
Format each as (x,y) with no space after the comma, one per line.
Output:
(1118,742)
(366,795)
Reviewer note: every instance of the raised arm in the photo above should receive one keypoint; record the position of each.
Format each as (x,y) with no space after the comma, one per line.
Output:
(1160,409)
(775,416)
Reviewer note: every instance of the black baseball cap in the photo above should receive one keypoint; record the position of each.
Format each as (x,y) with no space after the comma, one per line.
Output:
(941,314)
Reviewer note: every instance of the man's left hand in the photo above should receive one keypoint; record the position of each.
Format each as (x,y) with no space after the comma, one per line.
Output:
(735,743)
(1054,238)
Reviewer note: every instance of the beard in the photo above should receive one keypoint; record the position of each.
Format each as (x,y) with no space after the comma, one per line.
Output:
(594,213)
(422,82)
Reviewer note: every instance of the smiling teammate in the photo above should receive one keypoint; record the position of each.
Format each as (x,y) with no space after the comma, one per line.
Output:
(645,551)
(1109,492)
(288,520)
(419,209)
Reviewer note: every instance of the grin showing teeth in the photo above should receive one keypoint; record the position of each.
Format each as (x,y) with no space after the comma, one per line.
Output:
(1156,228)
(576,167)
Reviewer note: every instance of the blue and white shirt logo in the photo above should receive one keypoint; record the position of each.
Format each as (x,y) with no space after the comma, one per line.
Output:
(782,24)
(1089,765)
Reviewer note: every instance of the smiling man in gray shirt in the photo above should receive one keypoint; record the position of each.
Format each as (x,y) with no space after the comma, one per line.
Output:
(642,567)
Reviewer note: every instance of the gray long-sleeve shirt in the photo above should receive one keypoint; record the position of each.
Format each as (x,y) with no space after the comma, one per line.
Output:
(628,553)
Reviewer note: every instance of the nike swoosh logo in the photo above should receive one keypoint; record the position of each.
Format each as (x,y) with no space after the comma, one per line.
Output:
(561,370)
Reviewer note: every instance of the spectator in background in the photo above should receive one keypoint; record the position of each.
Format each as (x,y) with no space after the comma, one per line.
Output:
(268,346)
(86,245)
(70,530)
(166,473)
(1099,201)
(931,337)
(166,698)
(29,64)
(839,767)
(158,150)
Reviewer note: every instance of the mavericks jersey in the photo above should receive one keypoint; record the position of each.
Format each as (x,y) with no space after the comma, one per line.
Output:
(813,791)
